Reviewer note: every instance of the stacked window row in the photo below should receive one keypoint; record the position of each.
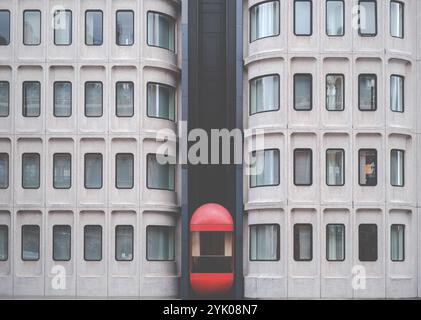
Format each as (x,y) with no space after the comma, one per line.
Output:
(265,170)
(160,99)
(160,173)
(265,19)
(265,93)
(160,33)
(160,243)
(265,242)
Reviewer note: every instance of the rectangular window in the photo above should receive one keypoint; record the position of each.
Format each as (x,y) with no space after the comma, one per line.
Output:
(124,171)
(32,27)
(264,94)
(30,242)
(160,175)
(397,242)
(303,92)
(4,171)
(161,101)
(264,20)
(397,168)
(160,243)
(93,99)
(4,98)
(335,17)
(335,167)
(367,18)
(4,27)
(367,92)
(63,27)
(124,243)
(367,242)
(124,99)
(161,31)
(303,167)
(93,27)
(125,27)
(303,242)
(397,93)
(62,99)
(31,100)
(397,19)
(30,171)
(264,242)
(368,167)
(335,242)
(303,17)
(92,250)
(4,243)
(62,168)
(335,92)
(265,169)
(62,243)
(93,171)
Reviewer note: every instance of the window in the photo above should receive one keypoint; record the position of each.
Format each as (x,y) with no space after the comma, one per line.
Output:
(32,27)
(31,102)
(93,171)
(93,28)
(93,99)
(264,94)
(30,171)
(124,171)
(265,169)
(397,93)
(303,242)
(367,92)
(367,18)
(124,99)
(264,20)
(161,31)
(397,168)
(125,27)
(63,27)
(161,101)
(92,250)
(397,242)
(4,27)
(62,99)
(397,19)
(335,16)
(4,171)
(160,176)
(264,242)
(62,243)
(303,17)
(303,92)
(368,167)
(335,242)
(335,92)
(4,98)
(4,243)
(62,163)
(335,167)
(30,242)
(303,167)
(124,243)
(160,243)
(367,242)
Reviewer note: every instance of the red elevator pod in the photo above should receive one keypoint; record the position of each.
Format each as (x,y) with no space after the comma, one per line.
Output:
(211,250)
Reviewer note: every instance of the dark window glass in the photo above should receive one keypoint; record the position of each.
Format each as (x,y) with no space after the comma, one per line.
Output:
(367,92)
(303,92)
(93,171)
(62,243)
(303,167)
(367,242)
(4,171)
(160,175)
(93,99)
(124,171)
(4,98)
(93,243)
(62,99)
(4,27)
(4,243)
(62,167)
(30,171)
(303,242)
(160,243)
(31,99)
(30,243)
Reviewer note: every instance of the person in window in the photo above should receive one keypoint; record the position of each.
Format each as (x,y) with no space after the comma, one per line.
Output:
(370,172)
(331,93)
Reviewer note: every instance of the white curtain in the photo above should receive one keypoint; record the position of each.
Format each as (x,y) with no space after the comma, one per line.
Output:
(32,27)
(303,18)
(264,20)
(335,18)
(335,242)
(304,245)
(125,95)
(161,31)
(397,168)
(396,19)
(264,94)
(265,171)
(335,167)
(161,101)
(4,98)
(396,93)
(264,242)
(368,17)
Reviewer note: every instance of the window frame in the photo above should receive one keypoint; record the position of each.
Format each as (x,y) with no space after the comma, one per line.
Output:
(115,242)
(102,170)
(9,33)
(279,22)
(116,96)
(327,242)
(403,92)
(368,35)
(377,242)
(278,242)
(279,169)
(175,100)
(276,75)
(310,75)
(7,170)
(133,26)
(343,19)
(54,98)
(403,168)
(102,98)
(71,176)
(102,27)
(147,175)
(84,242)
(39,242)
(375,91)
(295,243)
(311,167)
(311,19)
(343,169)
(40,27)
(116,175)
(174,34)
(39,171)
(70,248)
(23,98)
(8,97)
(402,5)
(7,242)
(71,28)
(376,167)
(403,245)
(343,89)
(174,244)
